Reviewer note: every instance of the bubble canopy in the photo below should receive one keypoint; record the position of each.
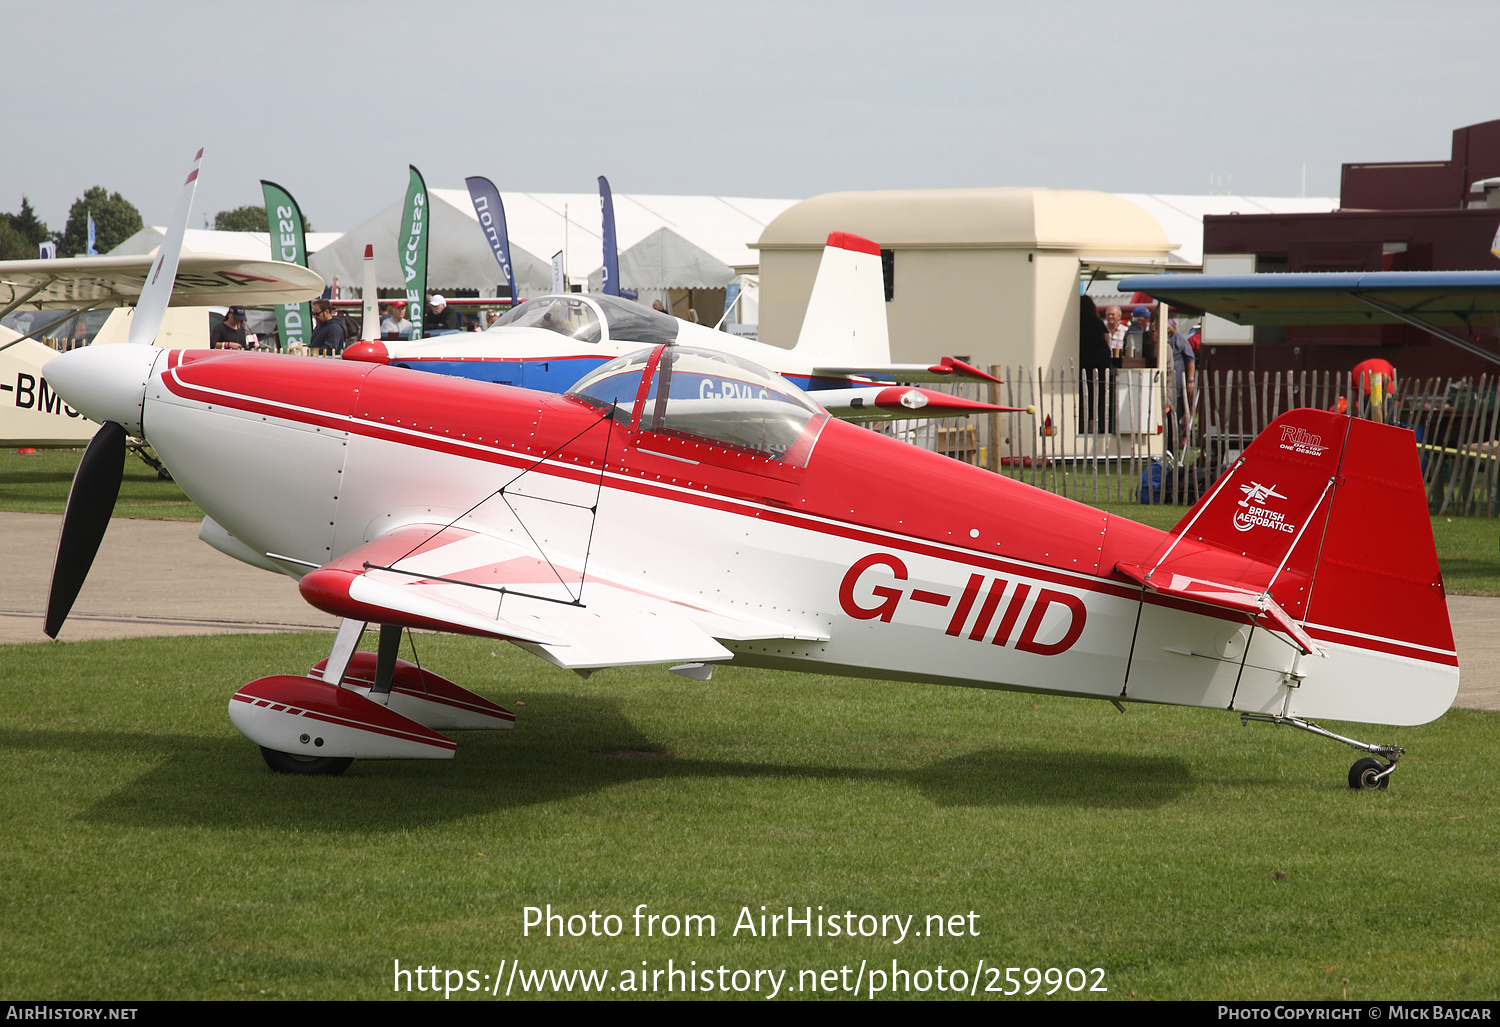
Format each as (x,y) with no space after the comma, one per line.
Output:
(592,317)
(706,396)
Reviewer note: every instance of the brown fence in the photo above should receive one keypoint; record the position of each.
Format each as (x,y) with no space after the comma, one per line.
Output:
(1124,437)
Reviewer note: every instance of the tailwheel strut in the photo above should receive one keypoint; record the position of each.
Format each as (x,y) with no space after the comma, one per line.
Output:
(1366,773)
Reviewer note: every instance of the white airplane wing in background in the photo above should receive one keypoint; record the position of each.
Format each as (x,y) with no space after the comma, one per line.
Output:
(203,280)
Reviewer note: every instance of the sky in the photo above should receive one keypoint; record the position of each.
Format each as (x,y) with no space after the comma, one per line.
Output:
(767,98)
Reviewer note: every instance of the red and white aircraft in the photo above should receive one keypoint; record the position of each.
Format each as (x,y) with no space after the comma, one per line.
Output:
(683,506)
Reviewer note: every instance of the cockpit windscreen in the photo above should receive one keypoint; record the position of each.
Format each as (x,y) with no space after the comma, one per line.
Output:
(566,315)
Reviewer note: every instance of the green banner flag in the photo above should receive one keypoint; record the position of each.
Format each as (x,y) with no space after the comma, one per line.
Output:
(412,248)
(288,243)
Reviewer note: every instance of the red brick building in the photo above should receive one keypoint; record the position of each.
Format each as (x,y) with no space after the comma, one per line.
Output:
(1408,216)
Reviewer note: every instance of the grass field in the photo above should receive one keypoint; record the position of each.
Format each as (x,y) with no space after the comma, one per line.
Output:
(39,482)
(149,854)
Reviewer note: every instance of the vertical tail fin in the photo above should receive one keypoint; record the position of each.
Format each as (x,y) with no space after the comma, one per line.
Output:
(845,320)
(370,304)
(1331,512)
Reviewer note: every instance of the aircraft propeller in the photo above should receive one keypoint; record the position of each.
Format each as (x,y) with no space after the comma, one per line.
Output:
(91,500)
(96,483)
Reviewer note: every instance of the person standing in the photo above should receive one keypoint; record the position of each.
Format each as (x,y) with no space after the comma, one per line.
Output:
(328,336)
(1093,366)
(1116,325)
(1183,371)
(438,317)
(395,325)
(230,332)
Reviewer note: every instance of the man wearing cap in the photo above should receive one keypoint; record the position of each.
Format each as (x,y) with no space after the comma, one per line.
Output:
(394,325)
(1138,337)
(230,332)
(438,316)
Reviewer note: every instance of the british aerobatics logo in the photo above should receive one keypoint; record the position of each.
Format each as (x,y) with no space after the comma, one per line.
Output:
(1253,512)
(862,597)
(1300,440)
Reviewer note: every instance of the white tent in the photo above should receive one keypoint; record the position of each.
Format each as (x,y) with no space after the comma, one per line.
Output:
(252,245)
(1181,217)
(541,224)
(458,256)
(722,226)
(665,260)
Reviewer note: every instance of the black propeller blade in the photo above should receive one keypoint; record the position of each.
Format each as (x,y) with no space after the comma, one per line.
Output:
(91,500)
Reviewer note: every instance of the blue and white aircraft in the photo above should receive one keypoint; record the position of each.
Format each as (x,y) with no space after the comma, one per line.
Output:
(842,356)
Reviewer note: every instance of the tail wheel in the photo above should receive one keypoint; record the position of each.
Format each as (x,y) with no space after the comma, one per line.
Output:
(1369,773)
(287,763)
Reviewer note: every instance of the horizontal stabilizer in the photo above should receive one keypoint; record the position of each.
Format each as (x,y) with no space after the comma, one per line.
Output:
(888,402)
(1258,605)
(949,369)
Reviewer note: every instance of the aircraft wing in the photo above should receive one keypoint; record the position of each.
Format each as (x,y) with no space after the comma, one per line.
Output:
(949,369)
(1448,298)
(203,280)
(457,579)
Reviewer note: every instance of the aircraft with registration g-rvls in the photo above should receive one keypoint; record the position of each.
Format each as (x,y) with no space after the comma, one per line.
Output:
(842,356)
(686,507)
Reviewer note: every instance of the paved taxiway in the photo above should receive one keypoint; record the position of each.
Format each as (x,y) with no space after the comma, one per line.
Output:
(157,578)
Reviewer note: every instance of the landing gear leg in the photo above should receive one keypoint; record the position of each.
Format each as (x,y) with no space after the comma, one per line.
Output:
(1366,773)
(385,663)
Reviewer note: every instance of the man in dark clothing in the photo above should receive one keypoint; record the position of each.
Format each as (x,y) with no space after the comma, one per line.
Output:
(328,337)
(439,316)
(230,332)
(1093,366)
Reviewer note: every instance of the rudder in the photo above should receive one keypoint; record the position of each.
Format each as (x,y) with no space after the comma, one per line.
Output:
(845,322)
(1341,504)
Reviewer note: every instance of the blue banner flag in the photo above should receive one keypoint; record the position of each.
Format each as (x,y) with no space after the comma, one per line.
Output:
(611,251)
(491,213)
(91,251)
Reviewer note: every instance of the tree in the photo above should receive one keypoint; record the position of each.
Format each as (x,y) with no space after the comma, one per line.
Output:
(21,234)
(13,245)
(248,219)
(241,219)
(115,220)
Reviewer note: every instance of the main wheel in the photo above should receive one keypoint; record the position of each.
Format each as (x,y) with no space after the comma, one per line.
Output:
(286,763)
(1366,774)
